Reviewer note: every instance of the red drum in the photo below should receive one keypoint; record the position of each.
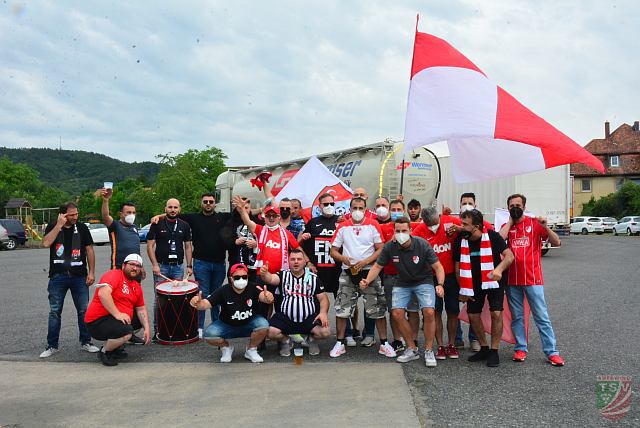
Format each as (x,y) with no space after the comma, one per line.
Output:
(177,319)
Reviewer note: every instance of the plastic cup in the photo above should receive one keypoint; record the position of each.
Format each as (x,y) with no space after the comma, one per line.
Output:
(108,185)
(297,356)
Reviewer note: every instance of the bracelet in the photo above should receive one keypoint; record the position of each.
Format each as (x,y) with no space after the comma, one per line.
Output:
(189,266)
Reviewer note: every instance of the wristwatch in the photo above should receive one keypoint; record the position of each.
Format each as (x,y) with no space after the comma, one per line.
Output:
(441,285)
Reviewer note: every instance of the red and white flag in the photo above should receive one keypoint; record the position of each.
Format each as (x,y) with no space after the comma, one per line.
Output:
(310,182)
(489,133)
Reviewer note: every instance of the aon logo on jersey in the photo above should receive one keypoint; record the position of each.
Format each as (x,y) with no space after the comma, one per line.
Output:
(442,248)
(272,244)
(242,315)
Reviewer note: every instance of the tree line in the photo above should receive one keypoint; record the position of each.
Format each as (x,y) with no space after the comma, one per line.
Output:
(624,202)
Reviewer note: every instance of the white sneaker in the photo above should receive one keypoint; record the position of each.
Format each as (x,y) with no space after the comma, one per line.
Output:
(350,341)
(200,333)
(429,358)
(314,349)
(474,345)
(409,354)
(284,348)
(49,352)
(89,347)
(338,349)
(387,350)
(252,355)
(227,354)
(368,341)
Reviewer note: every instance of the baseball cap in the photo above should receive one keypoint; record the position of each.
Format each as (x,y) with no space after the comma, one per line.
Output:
(269,209)
(237,267)
(133,258)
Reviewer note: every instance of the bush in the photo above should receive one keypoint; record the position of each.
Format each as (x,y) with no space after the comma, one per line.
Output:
(624,202)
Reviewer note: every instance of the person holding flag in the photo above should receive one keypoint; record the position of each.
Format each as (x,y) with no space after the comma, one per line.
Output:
(481,257)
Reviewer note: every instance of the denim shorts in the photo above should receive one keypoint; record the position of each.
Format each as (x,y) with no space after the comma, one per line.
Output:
(220,329)
(391,281)
(425,293)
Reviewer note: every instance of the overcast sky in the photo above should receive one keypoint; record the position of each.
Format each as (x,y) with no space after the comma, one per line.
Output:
(268,81)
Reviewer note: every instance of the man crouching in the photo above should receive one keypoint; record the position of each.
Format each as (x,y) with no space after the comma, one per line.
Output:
(238,302)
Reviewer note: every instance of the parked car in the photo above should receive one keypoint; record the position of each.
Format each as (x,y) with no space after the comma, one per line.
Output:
(4,238)
(99,233)
(608,223)
(142,232)
(586,225)
(629,225)
(17,235)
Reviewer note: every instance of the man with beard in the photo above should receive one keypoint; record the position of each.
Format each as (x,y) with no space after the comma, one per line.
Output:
(296,225)
(525,236)
(168,245)
(109,316)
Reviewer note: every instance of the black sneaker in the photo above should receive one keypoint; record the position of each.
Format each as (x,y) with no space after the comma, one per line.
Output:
(481,355)
(107,359)
(398,346)
(357,335)
(494,359)
(119,354)
(135,340)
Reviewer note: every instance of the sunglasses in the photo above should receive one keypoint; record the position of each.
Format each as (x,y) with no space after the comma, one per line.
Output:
(208,202)
(237,277)
(326,204)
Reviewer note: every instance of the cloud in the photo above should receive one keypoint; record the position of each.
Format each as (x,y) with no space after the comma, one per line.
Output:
(271,81)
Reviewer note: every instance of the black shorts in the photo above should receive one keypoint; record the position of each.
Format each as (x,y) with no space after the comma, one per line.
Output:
(330,278)
(287,327)
(451,294)
(108,328)
(495,296)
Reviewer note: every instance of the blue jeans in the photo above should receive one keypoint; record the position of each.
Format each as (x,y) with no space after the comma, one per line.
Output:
(209,276)
(535,298)
(425,293)
(221,330)
(472,336)
(172,272)
(57,288)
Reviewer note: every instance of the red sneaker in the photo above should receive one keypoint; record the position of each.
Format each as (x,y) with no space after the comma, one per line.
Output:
(556,360)
(452,352)
(519,356)
(441,354)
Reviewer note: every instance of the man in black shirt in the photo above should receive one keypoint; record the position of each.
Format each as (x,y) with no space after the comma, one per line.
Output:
(478,283)
(123,234)
(238,315)
(70,250)
(209,249)
(168,244)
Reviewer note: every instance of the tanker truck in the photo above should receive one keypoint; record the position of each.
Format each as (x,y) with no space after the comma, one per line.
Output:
(383,169)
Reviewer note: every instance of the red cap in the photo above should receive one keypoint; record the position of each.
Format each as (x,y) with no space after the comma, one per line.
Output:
(270,208)
(237,267)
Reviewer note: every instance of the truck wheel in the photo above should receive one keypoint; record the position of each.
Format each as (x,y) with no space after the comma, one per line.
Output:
(12,244)
(585,231)
(545,251)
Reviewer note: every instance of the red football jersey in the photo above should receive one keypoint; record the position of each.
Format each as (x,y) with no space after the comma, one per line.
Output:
(126,295)
(525,241)
(441,243)
(387,231)
(271,250)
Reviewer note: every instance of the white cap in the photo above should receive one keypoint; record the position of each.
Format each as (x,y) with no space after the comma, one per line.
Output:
(133,258)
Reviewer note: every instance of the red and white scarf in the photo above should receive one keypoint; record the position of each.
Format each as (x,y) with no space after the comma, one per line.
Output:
(284,247)
(486,265)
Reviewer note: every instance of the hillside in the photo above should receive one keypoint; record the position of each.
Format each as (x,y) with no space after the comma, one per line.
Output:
(75,171)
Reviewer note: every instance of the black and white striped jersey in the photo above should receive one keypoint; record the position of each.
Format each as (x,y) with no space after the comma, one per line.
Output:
(297,295)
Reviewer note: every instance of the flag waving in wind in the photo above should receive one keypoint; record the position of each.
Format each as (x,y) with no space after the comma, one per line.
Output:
(489,133)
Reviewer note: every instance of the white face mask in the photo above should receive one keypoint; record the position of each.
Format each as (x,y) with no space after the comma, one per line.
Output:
(272,228)
(240,284)
(466,207)
(402,237)
(329,210)
(382,212)
(357,215)
(130,218)
(434,228)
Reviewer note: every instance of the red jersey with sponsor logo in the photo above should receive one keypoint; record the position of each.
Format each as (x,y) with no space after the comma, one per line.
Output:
(386,231)
(126,295)
(525,241)
(274,247)
(441,243)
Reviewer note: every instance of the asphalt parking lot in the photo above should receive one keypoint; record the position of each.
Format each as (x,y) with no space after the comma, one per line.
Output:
(593,294)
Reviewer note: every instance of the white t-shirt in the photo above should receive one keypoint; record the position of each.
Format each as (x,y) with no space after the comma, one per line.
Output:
(357,240)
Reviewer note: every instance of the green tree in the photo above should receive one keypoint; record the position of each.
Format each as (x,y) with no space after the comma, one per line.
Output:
(186,177)
(624,202)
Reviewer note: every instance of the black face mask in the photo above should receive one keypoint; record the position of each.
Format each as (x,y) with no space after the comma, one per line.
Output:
(516,212)
(285,213)
(465,234)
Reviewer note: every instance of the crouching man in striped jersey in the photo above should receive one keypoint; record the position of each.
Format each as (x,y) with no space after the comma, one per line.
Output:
(304,305)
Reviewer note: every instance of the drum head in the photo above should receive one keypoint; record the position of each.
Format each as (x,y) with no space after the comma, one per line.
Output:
(176,287)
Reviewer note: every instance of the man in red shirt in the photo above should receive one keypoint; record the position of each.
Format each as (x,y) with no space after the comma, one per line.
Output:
(439,231)
(110,312)
(525,236)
